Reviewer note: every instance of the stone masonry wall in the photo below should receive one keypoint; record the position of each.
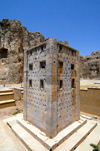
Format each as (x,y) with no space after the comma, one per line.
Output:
(67,97)
(90,101)
(55,104)
(35,98)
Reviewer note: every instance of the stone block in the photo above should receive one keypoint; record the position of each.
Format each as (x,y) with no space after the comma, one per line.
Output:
(49,102)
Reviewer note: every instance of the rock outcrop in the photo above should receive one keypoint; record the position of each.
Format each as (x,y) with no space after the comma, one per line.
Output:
(14,39)
(90,66)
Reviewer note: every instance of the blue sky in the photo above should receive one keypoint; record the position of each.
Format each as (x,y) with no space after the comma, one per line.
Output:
(77,21)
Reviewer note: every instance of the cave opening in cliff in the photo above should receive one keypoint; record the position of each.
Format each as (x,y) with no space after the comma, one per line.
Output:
(3,53)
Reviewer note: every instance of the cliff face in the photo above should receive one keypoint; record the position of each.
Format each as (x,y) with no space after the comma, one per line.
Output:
(14,39)
(90,66)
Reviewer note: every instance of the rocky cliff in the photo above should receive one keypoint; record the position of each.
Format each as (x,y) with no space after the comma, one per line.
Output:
(14,39)
(90,66)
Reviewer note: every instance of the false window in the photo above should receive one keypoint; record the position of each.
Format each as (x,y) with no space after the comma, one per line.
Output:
(42,64)
(30,66)
(61,84)
(60,64)
(73,83)
(42,84)
(72,66)
(30,83)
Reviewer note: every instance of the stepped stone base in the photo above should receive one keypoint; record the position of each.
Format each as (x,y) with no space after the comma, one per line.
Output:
(7,98)
(74,137)
(29,134)
(46,141)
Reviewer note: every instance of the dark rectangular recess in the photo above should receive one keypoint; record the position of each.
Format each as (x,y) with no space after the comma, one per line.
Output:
(97,70)
(72,66)
(42,64)
(73,83)
(30,83)
(42,84)
(60,64)
(30,66)
(61,84)
(42,47)
(3,53)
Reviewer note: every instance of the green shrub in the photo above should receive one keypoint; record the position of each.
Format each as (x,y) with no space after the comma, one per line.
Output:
(16,112)
(95,147)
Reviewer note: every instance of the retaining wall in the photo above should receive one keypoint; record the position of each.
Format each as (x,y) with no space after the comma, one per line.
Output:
(90,101)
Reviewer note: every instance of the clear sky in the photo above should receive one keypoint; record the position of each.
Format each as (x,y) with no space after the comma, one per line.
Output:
(77,21)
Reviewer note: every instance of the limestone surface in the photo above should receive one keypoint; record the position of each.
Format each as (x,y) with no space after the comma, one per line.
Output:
(90,66)
(14,39)
(51,86)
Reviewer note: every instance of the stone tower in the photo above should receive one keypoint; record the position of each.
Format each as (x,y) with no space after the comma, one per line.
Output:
(51,86)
